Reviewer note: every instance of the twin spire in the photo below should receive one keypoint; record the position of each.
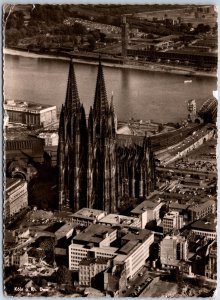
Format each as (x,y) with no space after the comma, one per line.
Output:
(100,101)
(72,102)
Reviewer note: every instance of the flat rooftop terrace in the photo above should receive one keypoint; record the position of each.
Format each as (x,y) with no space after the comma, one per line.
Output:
(121,220)
(26,106)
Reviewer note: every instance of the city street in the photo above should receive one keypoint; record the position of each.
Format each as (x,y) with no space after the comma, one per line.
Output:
(139,282)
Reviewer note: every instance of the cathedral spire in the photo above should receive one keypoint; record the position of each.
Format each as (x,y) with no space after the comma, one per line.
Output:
(61,125)
(72,98)
(100,102)
(112,104)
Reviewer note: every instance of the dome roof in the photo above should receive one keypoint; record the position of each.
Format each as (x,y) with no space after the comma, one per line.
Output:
(208,111)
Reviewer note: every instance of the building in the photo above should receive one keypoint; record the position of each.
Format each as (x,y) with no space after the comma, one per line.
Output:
(135,251)
(211,267)
(124,35)
(206,227)
(192,110)
(133,247)
(88,216)
(17,258)
(21,145)
(172,220)
(148,211)
(201,210)
(94,170)
(30,114)
(50,139)
(89,268)
(94,242)
(16,196)
(173,249)
(209,60)
(65,231)
(186,145)
(119,220)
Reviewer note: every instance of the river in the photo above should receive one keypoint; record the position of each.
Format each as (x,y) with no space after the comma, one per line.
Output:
(161,97)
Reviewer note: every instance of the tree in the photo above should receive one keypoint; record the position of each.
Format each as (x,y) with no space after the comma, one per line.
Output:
(37,253)
(12,36)
(91,41)
(63,275)
(47,244)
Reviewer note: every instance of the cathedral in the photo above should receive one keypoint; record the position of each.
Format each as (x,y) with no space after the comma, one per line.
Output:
(96,167)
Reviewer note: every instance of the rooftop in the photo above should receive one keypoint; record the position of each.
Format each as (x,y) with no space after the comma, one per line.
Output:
(21,135)
(176,205)
(171,215)
(20,105)
(203,205)
(95,233)
(13,183)
(206,224)
(145,205)
(89,213)
(66,228)
(122,220)
(138,235)
(128,247)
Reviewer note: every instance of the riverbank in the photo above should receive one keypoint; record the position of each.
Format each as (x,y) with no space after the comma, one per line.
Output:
(146,66)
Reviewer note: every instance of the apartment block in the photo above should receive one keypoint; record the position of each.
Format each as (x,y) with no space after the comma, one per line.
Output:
(16,196)
(173,249)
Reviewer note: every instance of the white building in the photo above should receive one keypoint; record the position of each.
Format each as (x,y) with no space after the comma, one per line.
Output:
(88,216)
(95,242)
(16,196)
(89,268)
(172,250)
(50,139)
(172,220)
(148,211)
(30,113)
(125,221)
(135,252)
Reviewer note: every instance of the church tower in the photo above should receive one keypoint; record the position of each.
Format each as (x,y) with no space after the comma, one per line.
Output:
(148,177)
(72,148)
(101,174)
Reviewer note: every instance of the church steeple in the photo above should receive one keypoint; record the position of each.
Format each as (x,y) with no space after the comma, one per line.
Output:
(72,101)
(100,102)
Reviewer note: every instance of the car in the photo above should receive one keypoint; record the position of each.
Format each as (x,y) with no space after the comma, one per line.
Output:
(148,279)
(140,274)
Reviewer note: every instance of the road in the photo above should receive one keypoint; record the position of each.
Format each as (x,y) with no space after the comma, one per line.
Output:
(138,280)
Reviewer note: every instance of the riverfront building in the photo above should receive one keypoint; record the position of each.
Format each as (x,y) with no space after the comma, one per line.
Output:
(30,114)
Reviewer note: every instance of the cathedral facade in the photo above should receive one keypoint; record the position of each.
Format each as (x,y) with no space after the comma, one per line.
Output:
(95,170)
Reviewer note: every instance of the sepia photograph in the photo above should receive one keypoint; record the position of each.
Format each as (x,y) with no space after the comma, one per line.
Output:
(110,137)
